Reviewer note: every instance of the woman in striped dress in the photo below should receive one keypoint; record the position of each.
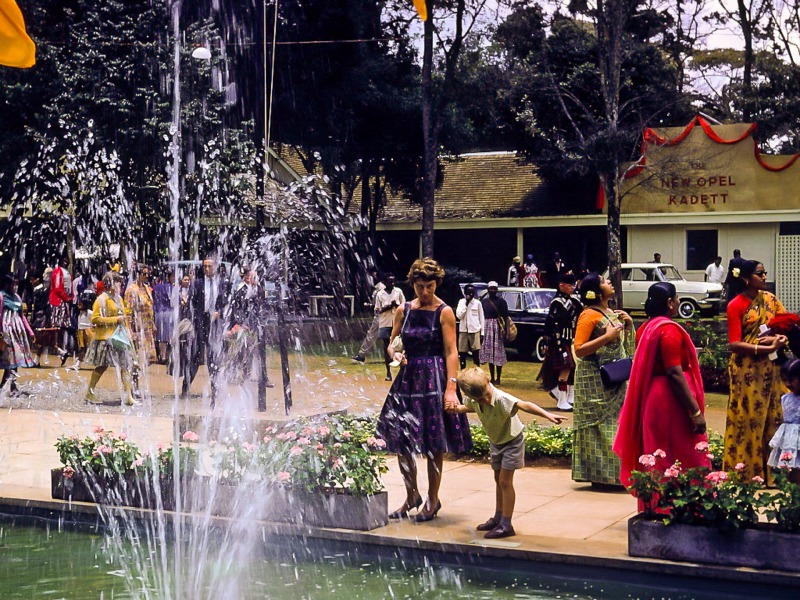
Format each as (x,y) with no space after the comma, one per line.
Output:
(17,334)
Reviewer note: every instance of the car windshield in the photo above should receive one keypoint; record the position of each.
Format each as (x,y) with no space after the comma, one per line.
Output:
(670,274)
(538,299)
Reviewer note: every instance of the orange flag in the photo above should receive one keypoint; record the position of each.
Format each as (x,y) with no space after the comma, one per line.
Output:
(422,9)
(16,48)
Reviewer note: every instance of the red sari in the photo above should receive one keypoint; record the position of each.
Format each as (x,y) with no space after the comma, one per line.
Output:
(652,418)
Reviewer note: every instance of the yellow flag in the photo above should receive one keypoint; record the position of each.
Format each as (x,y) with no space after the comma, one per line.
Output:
(16,48)
(422,9)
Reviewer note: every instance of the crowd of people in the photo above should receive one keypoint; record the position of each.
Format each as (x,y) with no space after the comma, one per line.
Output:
(128,321)
(633,392)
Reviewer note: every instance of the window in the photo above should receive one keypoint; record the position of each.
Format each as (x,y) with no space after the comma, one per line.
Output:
(701,248)
(512,299)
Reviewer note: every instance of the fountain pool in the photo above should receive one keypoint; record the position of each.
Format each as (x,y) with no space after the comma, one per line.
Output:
(47,558)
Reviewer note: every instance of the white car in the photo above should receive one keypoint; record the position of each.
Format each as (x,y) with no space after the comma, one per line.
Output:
(693,296)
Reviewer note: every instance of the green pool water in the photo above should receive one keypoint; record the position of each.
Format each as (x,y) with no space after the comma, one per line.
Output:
(42,559)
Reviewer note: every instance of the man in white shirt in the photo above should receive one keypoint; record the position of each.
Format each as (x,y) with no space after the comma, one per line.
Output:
(469,313)
(372,332)
(386,303)
(715,272)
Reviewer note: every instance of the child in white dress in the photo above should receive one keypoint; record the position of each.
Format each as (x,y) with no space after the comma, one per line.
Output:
(786,441)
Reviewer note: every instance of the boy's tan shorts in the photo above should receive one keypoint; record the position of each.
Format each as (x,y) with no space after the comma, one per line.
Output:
(509,456)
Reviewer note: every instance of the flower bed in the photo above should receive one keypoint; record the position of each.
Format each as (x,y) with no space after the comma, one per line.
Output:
(337,462)
(548,442)
(713,516)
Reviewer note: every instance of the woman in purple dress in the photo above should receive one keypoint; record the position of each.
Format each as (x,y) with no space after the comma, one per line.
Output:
(413,420)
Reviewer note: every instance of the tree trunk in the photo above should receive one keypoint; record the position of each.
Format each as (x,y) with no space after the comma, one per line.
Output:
(747,78)
(611,190)
(429,141)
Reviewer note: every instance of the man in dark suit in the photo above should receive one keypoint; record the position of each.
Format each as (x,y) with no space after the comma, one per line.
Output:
(737,262)
(208,298)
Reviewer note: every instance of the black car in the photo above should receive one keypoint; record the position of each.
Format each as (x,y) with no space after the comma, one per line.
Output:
(528,308)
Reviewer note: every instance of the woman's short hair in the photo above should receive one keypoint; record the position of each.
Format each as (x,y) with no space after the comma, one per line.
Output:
(658,297)
(109,278)
(739,279)
(473,382)
(425,269)
(590,288)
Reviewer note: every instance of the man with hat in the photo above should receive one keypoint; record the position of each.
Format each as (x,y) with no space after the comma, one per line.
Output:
(558,369)
(515,272)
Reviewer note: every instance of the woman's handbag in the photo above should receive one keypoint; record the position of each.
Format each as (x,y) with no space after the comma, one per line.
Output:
(511,330)
(119,339)
(616,372)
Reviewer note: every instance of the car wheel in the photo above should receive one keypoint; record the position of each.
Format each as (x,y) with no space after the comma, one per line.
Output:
(686,309)
(539,349)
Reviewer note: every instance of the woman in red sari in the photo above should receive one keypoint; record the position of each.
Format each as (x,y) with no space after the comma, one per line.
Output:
(665,404)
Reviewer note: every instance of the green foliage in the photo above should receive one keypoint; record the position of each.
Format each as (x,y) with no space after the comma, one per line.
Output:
(551,442)
(698,495)
(783,505)
(716,449)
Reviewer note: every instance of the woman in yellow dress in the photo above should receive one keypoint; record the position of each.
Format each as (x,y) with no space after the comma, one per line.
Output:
(141,314)
(754,404)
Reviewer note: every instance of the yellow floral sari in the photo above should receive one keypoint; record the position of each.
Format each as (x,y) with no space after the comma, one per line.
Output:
(754,404)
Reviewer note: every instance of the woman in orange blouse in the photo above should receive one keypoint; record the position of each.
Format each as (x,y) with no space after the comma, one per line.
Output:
(602,335)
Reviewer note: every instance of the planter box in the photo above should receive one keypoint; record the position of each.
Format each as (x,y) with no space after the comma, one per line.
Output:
(761,548)
(273,502)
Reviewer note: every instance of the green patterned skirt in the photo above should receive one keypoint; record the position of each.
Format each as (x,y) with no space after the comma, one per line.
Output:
(595,417)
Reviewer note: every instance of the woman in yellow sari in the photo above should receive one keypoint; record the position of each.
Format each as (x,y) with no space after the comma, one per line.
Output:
(754,404)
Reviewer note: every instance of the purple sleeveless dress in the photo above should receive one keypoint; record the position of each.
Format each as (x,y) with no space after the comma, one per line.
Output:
(413,420)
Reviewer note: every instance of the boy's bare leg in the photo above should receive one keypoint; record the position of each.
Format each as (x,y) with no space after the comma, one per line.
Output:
(506,494)
(494,521)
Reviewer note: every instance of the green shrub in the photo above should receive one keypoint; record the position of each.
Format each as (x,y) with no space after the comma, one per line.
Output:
(540,441)
(716,448)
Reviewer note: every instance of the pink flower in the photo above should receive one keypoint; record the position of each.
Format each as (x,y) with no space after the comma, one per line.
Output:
(323,430)
(160,447)
(673,471)
(99,429)
(660,453)
(308,431)
(267,439)
(138,462)
(320,446)
(380,443)
(123,436)
(303,441)
(647,460)
(347,435)
(758,479)
(190,436)
(786,457)
(248,447)
(701,446)
(281,436)
(337,445)
(716,477)
(710,456)
(337,463)
(68,472)
(272,429)
(291,435)
(739,466)
(284,476)
(296,450)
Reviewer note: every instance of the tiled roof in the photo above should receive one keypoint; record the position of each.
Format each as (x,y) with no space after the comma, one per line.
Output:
(481,185)
(474,186)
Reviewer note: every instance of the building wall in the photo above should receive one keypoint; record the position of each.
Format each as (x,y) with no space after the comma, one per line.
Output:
(755,240)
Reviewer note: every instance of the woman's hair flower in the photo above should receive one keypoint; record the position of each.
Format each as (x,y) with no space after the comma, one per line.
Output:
(735,271)
(590,295)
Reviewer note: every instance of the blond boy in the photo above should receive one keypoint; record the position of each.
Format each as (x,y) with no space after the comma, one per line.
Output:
(497,411)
